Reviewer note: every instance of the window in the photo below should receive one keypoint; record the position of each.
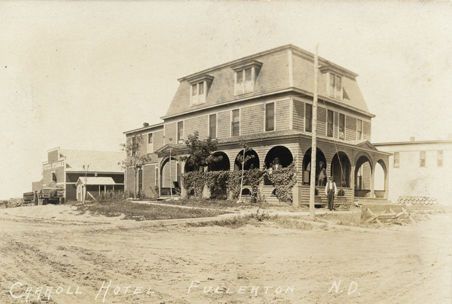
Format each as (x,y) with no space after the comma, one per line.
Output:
(330,123)
(308,115)
(341,126)
(150,146)
(244,81)
(396,160)
(180,131)
(213,125)
(198,91)
(235,123)
(439,159)
(359,129)
(422,159)
(54,177)
(335,86)
(270,116)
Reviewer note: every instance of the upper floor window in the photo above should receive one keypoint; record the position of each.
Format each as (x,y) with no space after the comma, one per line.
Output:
(359,129)
(440,157)
(245,76)
(335,86)
(330,123)
(180,131)
(422,157)
(308,115)
(341,126)
(213,125)
(150,145)
(396,160)
(198,95)
(270,116)
(235,123)
(199,88)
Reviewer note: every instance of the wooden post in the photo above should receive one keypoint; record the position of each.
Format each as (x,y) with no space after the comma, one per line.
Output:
(312,179)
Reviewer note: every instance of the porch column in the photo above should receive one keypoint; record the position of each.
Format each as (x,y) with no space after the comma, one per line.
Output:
(183,191)
(372,181)
(352,181)
(386,183)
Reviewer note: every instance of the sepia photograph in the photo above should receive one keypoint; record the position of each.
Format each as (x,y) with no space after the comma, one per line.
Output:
(226,152)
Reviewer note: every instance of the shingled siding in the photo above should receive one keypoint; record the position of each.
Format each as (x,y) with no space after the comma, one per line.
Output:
(149,180)
(130,181)
(282,112)
(252,119)
(321,121)
(198,123)
(298,115)
(224,124)
(350,128)
(366,130)
(158,139)
(170,132)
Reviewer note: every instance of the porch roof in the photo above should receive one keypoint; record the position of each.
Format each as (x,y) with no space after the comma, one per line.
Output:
(96,180)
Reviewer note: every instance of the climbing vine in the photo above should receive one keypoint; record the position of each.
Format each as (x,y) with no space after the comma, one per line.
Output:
(283,180)
(194,183)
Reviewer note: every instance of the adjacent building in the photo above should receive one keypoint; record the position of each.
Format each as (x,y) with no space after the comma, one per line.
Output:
(64,168)
(420,168)
(265,100)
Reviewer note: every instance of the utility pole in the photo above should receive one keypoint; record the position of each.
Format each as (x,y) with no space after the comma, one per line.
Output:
(241,178)
(312,180)
(84,189)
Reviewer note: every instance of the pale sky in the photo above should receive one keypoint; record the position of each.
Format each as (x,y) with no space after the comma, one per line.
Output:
(78,74)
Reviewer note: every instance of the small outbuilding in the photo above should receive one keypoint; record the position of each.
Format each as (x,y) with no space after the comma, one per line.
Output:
(92,187)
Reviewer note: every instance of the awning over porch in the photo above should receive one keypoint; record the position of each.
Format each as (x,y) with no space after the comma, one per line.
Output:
(96,180)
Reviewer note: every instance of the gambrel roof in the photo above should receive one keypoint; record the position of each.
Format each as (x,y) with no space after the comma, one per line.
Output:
(283,69)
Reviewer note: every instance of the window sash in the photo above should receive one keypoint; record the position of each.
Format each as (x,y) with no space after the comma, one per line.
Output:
(396,160)
(270,117)
(239,76)
(308,116)
(422,161)
(194,89)
(440,158)
(213,125)
(330,123)
(235,124)
(338,85)
(201,88)
(332,84)
(150,138)
(180,130)
(341,126)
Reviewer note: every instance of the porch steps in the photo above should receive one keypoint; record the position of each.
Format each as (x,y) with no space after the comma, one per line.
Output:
(369,200)
(267,195)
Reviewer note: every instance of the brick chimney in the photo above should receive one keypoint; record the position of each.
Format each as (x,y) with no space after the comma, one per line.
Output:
(412,138)
(145,124)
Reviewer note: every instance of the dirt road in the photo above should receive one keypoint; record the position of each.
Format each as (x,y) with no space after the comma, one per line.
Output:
(83,259)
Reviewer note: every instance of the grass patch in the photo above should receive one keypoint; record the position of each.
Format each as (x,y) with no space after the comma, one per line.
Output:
(141,212)
(236,221)
(209,203)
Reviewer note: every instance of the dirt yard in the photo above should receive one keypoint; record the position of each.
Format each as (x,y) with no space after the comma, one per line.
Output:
(77,258)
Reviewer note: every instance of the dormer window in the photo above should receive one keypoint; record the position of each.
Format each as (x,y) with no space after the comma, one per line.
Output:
(335,86)
(245,76)
(199,89)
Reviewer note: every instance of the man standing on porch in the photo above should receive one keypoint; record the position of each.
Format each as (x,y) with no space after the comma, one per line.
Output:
(331,192)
